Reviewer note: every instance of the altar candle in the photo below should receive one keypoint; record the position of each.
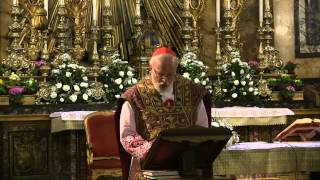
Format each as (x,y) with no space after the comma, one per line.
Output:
(15,2)
(218,12)
(61,2)
(94,12)
(260,12)
(186,4)
(228,4)
(138,8)
(107,3)
(267,5)
(46,7)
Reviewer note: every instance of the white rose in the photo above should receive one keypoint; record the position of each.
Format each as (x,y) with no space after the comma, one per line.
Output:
(233,74)
(225,90)
(248,76)
(204,83)
(61,100)
(121,86)
(121,73)
(85,96)
(66,87)
(85,78)
(118,81)
(186,75)
(236,82)
(255,93)
(134,80)
(58,85)
(244,93)
(117,96)
(129,73)
(250,89)
(73,98)
(243,83)
(196,80)
(76,87)
(68,74)
(55,71)
(106,85)
(203,74)
(129,82)
(89,92)
(84,84)
(251,83)
(234,95)
(241,71)
(53,95)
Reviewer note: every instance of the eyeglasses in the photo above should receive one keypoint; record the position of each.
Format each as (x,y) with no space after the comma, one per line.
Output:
(163,76)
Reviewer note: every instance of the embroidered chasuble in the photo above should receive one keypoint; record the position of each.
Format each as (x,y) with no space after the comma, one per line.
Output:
(152,115)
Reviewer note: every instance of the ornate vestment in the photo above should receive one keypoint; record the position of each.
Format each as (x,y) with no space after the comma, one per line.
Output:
(152,115)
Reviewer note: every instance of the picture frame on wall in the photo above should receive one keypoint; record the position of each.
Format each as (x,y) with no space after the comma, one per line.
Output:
(307,28)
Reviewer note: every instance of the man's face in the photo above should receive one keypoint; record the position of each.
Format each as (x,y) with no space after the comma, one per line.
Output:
(163,73)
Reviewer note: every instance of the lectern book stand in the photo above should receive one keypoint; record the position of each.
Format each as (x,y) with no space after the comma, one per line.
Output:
(186,150)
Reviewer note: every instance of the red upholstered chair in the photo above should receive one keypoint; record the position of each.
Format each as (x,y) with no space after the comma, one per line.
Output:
(102,148)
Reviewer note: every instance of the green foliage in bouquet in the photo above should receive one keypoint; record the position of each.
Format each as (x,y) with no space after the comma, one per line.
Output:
(116,78)
(237,82)
(286,84)
(69,83)
(191,68)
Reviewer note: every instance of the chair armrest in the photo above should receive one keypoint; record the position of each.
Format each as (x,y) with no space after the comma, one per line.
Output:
(89,154)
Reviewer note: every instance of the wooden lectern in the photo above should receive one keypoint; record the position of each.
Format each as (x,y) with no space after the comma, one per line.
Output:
(188,150)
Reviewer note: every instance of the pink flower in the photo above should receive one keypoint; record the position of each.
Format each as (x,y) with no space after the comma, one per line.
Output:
(39,63)
(16,90)
(168,102)
(253,63)
(290,88)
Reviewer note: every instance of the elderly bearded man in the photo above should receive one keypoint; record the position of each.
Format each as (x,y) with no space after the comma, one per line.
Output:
(159,101)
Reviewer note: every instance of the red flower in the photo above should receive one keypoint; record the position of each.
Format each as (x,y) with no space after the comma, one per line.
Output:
(168,102)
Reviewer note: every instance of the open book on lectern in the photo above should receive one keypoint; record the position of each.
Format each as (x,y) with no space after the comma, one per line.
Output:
(167,151)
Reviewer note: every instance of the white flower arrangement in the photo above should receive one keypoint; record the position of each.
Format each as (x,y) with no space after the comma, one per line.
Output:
(69,83)
(191,68)
(220,123)
(116,78)
(236,80)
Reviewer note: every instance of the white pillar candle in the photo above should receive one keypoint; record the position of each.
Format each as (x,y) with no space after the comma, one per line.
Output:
(94,12)
(15,2)
(267,4)
(46,7)
(62,3)
(186,4)
(228,4)
(138,8)
(107,3)
(218,12)
(260,12)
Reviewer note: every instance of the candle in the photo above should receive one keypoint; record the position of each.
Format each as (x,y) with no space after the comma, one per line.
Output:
(46,7)
(267,5)
(61,2)
(107,3)
(138,8)
(95,12)
(15,2)
(218,12)
(260,12)
(228,4)
(186,4)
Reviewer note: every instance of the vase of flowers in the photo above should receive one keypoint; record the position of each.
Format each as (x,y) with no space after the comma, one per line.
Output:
(116,78)
(191,68)
(237,83)
(290,67)
(70,83)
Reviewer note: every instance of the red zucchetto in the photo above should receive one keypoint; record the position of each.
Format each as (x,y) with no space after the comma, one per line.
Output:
(163,51)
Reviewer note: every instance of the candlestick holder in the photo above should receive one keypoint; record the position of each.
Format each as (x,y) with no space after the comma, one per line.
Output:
(16,58)
(108,44)
(187,29)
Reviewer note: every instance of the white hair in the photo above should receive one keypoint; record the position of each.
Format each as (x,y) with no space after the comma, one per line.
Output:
(162,57)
